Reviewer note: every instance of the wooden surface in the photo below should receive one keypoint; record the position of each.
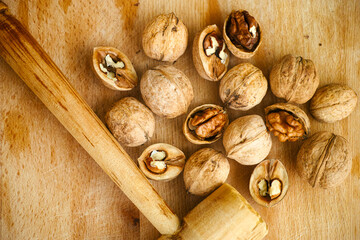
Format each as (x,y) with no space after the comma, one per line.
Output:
(51,188)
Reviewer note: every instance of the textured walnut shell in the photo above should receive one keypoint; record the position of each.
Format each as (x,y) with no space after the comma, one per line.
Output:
(165,38)
(175,162)
(333,102)
(191,136)
(246,140)
(166,91)
(239,51)
(243,87)
(324,160)
(205,171)
(128,78)
(209,67)
(268,170)
(294,79)
(295,111)
(130,121)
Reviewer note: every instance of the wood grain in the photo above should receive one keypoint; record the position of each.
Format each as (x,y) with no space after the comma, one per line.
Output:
(51,188)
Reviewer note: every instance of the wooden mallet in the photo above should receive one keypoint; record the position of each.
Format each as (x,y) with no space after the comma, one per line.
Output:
(225,214)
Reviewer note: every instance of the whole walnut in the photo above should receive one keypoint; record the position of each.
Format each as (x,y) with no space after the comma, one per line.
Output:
(166,91)
(243,87)
(246,140)
(165,38)
(294,79)
(333,102)
(324,160)
(130,121)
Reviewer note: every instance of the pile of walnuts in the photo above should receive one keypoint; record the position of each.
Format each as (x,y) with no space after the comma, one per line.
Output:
(324,158)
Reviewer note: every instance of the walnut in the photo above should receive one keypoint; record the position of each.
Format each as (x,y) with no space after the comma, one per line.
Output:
(333,102)
(131,123)
(287,121)
(165,38)
(294,79)
(210,55)
(324,160)
(243,87)
(166,91)
(246,140)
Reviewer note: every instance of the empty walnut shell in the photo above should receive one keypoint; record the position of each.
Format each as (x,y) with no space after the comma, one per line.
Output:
(333,102)
(165,38)
(294,79)
(242,34)
(324,160)
(166,91)
(114,69)
(130,121)
(287,121)
(269,182)
(205,124)
(210,55)
(162,162)
(205,171)
(246,140)
(243,87)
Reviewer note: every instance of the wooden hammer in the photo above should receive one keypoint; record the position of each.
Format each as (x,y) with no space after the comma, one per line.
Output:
(225,214)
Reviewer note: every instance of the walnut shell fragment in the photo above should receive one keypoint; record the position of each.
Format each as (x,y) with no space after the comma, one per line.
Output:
(165,38)
(333,102)
(210,55)
(205,124)
(294,79)
(269,182)
(287,121)
(324,160)
(246,140)
(161,162)
(114,68)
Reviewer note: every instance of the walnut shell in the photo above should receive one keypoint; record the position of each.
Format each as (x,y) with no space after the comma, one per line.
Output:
(123,79)
(166,91)
(205,171)
(243,87)
(130,121)
(324,160)
(294,79)
(333,102)
(173,162)
(246,140)
(219,123)
(238,50)
(211,67)
(269,171)
(165,38)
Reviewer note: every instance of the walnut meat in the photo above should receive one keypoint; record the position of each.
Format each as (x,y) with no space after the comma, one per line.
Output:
(243,87)
(333,102)
(205,171)
(131,122)
(166,91)
(294,79)
(246,140)
(165,38)
(324,160)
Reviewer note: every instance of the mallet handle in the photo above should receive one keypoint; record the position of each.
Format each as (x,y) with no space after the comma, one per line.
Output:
(22,52)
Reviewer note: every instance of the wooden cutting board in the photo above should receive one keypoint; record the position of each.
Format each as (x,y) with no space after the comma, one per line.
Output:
(52,189)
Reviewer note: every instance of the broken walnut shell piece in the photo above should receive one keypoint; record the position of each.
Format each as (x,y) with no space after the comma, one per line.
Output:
(210,55)
(114,68)
(287,121)
(205,124)
(242,34)
(162,162)
(269,182)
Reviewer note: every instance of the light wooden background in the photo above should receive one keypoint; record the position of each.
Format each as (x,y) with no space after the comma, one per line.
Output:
(52,189)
